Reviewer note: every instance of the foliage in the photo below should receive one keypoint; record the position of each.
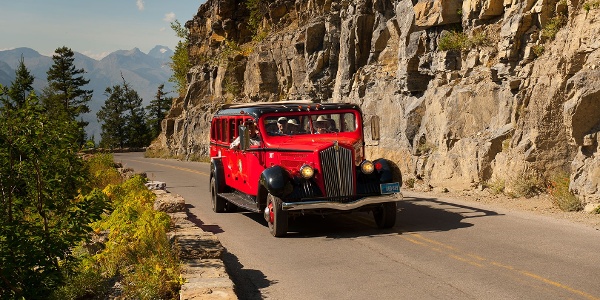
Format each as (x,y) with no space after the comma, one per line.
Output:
(553,26)
(123,119)
(45,206)
(180,61)
(410,183)
(258,9)
(455,40)
(524,185)
(102,171)
(538,50)
(496,186)
(157,110)
(138,251)
(588,5)
(558,188)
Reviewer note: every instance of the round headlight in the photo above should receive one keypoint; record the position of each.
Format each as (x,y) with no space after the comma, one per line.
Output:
(367,167)
(307,171)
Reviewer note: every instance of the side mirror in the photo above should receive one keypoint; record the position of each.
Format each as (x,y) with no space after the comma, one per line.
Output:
(244,138)
(375,128)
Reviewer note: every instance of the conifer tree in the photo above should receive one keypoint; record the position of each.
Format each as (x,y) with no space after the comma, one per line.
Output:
(157,110)
(67,83)
(65,96)
(22,86)
(112,117)
(123,118)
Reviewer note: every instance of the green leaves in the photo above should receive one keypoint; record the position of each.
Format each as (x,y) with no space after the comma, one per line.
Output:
(40,180)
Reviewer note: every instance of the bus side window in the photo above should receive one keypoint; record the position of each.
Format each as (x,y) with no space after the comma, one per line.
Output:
(232,130)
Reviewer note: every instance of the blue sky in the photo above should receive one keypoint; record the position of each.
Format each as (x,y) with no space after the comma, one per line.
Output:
(92,27)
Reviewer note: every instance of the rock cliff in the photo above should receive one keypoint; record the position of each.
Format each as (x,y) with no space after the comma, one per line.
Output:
(470,92)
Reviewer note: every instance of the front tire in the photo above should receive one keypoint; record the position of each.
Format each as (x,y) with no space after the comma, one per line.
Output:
(276,217)
(385,215)
(218,203)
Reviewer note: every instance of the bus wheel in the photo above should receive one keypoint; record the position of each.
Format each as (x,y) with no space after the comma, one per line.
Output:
(218,203)
(276,217)
(385,215)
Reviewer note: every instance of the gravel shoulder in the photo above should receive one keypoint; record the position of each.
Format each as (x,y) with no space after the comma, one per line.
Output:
(538,205)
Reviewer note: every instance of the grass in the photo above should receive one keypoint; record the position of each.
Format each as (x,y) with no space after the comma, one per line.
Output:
(553,26)
(456,40)
(562,197)
(589,5)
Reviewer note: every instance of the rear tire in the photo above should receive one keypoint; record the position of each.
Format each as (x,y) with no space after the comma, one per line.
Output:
(385,215)
(218,203)
(277,217)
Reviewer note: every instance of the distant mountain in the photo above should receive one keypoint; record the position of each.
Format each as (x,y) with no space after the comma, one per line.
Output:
(7,74)
(161,52)
(144,72)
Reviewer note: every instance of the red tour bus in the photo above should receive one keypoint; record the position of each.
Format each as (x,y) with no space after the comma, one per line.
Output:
(298,157)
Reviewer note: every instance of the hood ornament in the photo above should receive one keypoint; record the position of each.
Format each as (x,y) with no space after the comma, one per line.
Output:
(336,146)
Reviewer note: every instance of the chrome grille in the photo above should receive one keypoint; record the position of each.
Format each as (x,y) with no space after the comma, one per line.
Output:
(336,166)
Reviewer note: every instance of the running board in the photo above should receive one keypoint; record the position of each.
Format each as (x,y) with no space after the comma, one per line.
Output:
(242,201)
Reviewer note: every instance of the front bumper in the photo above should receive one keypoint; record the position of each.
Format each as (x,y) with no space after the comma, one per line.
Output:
(323,204)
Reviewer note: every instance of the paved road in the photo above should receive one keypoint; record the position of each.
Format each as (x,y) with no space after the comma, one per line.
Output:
(439,249)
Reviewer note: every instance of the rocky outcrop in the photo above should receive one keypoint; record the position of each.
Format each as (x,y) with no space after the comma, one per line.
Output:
(519,97)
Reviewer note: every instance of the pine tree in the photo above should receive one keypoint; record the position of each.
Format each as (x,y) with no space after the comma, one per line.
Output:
(65,89)
(112,117)
(123,118)
(138,134)
(157,110)
(66,81)
(22,86)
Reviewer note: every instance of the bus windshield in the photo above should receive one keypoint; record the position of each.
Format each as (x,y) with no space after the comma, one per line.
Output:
(310,124)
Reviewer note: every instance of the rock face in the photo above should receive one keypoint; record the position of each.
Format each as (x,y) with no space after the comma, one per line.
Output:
(518,98)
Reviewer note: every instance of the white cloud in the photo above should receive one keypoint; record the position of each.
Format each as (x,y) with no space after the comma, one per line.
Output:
(169,17)
(140,4)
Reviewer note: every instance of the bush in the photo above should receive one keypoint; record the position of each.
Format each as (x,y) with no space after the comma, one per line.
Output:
(137,251)
(553,26)
(455,40)
(102,170)
(558,188)
(524,185)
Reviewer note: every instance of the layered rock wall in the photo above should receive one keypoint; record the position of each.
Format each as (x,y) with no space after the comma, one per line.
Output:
(519,100)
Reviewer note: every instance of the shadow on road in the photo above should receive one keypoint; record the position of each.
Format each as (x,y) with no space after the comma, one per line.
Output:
(194,219)
(414,215)
(247,282)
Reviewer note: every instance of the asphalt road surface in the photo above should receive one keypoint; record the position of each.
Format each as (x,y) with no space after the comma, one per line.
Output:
(439,249)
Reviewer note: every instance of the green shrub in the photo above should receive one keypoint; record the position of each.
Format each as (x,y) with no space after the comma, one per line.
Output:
(588,5)
(496,186)
(558,188)
(102,170)
(553,26)
(524,185)
(410,183)
(454,41)
(138,252)
(538,50)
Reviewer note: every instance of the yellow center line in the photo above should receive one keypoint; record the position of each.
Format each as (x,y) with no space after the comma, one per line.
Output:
(429,244)
(172,167)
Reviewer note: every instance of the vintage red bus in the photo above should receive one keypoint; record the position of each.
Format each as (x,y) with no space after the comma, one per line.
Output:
(289,158)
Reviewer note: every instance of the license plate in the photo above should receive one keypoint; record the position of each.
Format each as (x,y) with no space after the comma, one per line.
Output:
(390,188)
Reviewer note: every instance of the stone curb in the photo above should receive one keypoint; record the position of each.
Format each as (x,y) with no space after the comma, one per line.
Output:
(199,251)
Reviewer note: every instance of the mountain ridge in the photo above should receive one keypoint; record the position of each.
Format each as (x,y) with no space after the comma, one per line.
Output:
(143,71)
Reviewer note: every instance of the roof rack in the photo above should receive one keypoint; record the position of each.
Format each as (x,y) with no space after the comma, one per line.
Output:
(254,104)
